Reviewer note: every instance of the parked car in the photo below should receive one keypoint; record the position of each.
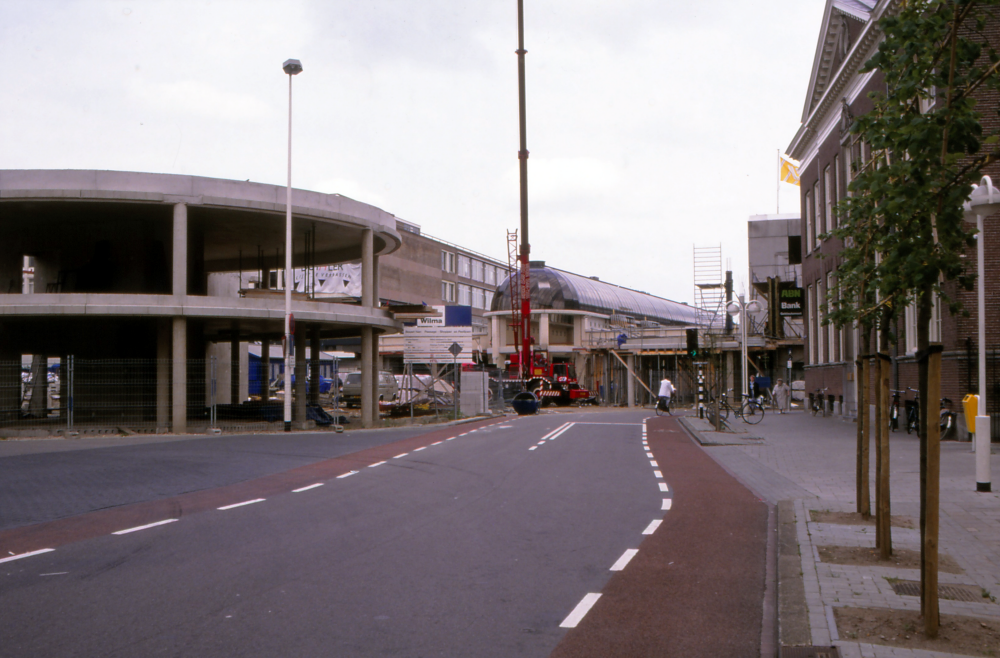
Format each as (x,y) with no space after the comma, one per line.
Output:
(799,390)
(388,390)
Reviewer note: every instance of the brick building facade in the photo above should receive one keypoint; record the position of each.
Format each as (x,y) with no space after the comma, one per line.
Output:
(838,92)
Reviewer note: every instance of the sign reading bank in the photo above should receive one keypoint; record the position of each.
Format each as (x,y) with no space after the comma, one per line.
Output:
(790,299)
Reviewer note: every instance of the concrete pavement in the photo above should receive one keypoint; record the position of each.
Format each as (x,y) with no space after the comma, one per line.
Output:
(802,464)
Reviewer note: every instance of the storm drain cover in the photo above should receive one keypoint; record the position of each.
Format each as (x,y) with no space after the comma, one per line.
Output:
(969,593)
(810,652)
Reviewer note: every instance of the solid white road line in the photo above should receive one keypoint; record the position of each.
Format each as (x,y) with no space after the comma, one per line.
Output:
(658,474)
(245,502)
(651,528)
(18,557)
(143,527)
(664,487)
(311,486)
(346,475)
(667,503)
(624,559)
(581,609)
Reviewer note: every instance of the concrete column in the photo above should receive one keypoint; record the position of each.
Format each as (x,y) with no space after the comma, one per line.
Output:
(163,338)
(180,252)
(543,331)
(368,413)
(10,380)
(314,364)
(299,408)
(265,368)
(375,282)
(630,359)
(234,364)
(497,340)
(368,298)
(38,405)
(179,383)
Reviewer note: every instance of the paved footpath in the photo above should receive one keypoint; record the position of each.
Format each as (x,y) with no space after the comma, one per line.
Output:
(801,463)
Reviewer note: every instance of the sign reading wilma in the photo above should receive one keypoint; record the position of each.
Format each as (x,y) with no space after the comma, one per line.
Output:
(430,344)
(790,300)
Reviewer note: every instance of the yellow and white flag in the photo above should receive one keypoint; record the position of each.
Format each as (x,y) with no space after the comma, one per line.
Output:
(789,172)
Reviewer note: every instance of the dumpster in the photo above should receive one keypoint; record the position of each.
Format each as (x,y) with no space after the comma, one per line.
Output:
(525,403)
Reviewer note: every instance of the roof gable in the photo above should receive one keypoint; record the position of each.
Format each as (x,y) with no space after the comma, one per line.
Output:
(843,22)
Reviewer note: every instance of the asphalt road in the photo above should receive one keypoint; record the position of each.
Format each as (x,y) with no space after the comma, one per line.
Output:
(476,540)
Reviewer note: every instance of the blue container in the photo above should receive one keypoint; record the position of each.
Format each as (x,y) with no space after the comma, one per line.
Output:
(525,403)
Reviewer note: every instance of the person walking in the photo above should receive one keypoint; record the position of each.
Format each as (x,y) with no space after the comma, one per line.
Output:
(666,392)
(782,396)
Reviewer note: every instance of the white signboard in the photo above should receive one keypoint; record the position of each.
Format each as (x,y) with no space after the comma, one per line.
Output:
(429,344)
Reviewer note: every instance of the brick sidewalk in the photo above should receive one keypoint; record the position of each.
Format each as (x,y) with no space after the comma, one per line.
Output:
(807,463)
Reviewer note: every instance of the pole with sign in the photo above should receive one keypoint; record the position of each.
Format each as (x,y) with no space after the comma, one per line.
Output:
(455,350)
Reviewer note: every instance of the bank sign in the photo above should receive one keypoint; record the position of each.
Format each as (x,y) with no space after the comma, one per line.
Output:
(790,299)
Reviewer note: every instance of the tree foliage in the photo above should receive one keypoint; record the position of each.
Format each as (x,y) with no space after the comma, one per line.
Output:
(915,157)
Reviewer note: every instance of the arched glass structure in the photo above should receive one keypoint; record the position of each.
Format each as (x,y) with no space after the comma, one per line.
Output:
(555,289)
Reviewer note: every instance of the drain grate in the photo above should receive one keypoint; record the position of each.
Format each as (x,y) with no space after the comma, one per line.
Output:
(810,652)
(969,593)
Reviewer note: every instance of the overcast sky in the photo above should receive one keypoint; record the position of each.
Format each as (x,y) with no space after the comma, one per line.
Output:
(653,125)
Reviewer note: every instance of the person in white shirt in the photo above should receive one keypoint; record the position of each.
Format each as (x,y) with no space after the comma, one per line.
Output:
(665,393)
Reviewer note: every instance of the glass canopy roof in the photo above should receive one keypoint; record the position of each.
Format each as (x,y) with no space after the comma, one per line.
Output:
(555,289)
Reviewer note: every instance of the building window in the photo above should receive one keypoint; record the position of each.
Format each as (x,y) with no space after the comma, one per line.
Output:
(491,275)
(910,318)
(448,291)
(464,295)
(831,330)
(489,299)
(477,271)
(478,298)
(464,266)
(810,224)
(811,311)
(821,352)
(818,214)
(448,262)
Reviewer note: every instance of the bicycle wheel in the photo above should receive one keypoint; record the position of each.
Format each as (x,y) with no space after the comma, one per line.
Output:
(947,425)
(751,412)
(660,410)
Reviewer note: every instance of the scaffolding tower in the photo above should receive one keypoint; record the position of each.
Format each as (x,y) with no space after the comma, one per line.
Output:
(709,287)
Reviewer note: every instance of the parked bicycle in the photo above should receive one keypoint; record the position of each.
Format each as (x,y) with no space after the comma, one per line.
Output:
(751,411)
(913,413)
(817,402)
(948,419)
(894,410)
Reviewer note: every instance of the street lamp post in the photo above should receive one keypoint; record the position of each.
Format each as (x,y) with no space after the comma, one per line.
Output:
(740,307)
(291,67)
(983,201)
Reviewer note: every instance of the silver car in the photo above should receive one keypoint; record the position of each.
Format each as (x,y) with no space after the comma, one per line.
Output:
(388,390)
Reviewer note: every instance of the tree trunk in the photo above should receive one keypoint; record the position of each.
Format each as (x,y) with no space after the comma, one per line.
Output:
(930,463)
(883,523)
(863,468)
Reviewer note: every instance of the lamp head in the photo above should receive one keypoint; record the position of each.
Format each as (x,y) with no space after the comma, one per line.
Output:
(754,306)
(292,67)
(733,308)
(984,200)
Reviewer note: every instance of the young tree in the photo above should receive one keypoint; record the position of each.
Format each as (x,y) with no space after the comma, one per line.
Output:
(926,136)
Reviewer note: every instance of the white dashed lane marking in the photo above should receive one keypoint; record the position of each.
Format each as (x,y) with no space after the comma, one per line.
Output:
(347,475)
(651,528)
(24,555)
(667,504)
(311,486)
(580,611)
(664,487)
(245,502)
(143,527)
(624,559)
